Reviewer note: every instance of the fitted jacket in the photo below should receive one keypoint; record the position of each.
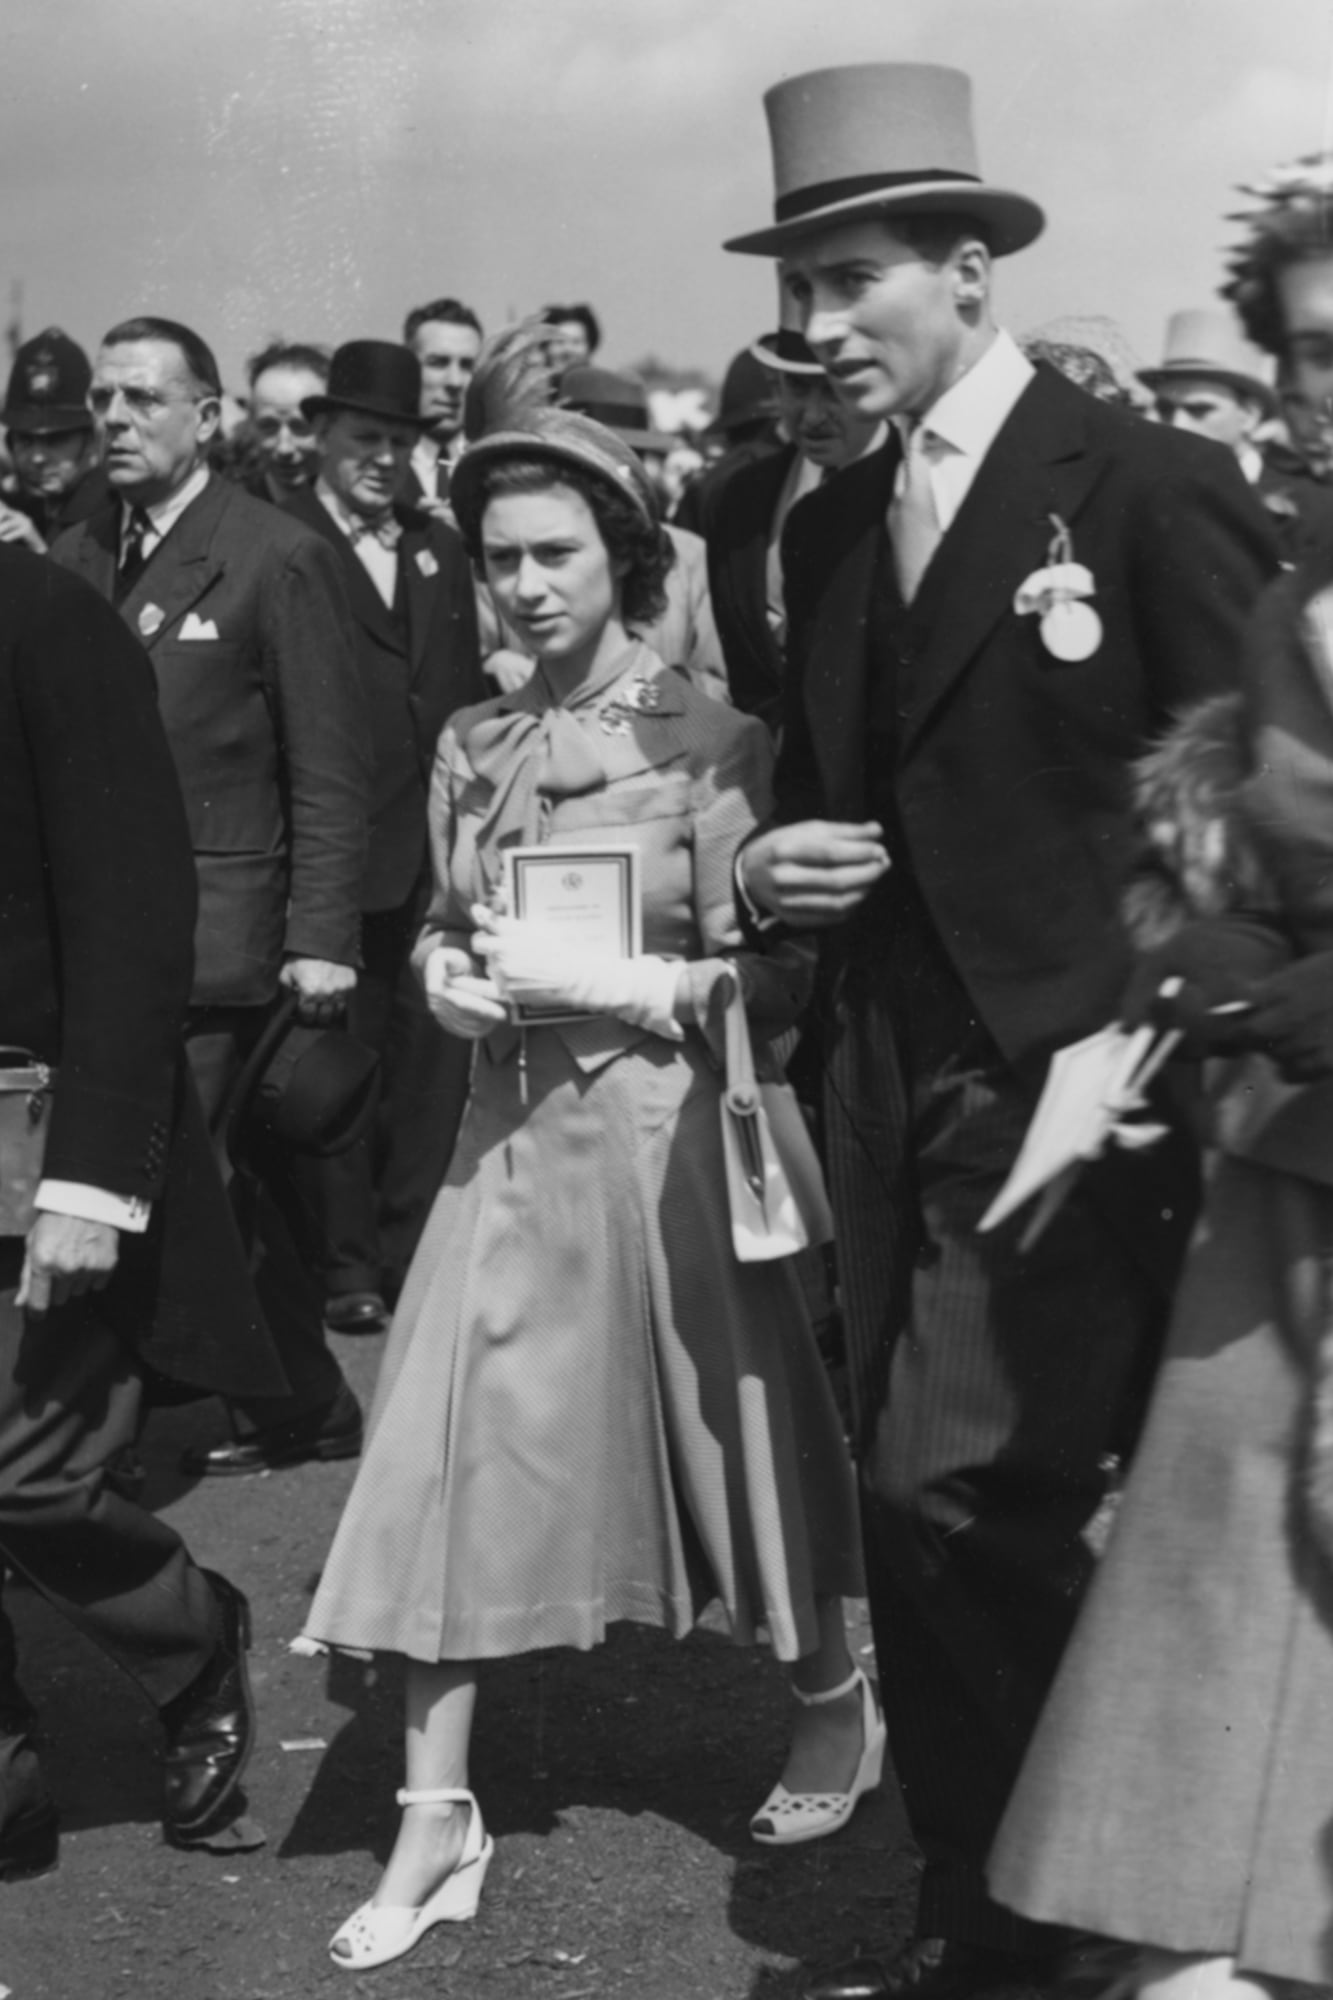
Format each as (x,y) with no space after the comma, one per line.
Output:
(97,907)
(417,664)
(244,618)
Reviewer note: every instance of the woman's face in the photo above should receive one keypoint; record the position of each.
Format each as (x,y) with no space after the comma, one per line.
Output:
(550,572)
(1305,293)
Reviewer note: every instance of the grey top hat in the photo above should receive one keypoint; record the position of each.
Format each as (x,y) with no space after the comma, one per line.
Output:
(881,139)
(1208,345)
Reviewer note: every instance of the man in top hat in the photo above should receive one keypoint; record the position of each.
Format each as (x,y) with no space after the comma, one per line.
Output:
(243,615)
(748,514)
(409,584)
(445,337)
(1211,381)
(685,636)
(951,821)
(49,431)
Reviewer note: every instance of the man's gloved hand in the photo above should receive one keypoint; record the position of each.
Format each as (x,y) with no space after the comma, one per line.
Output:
(1292,1020)
(530,962)
(1220,963)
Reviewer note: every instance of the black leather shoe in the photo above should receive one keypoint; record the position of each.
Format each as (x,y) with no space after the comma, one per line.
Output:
(929,1969)
(210,1728)
(333,1432)
(29,1827)
(356,1312)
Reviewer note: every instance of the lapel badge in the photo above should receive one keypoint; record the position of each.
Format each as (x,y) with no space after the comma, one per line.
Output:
(1070,628)
(612,722)
(643,696)
(426,563)
(151,619)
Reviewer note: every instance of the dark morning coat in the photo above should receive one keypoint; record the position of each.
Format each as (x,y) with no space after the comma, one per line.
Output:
(1011,766)
(97,907)
(267,724)
(415,669)
(739,523)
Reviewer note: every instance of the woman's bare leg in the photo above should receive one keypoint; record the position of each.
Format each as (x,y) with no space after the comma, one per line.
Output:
(440,1704)
(827,1741)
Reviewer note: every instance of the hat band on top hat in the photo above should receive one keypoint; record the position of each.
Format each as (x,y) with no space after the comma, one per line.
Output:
(801,201)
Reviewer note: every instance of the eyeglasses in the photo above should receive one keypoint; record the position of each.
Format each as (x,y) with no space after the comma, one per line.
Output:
(139,402)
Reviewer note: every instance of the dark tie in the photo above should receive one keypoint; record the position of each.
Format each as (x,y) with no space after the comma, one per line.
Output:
(133,561)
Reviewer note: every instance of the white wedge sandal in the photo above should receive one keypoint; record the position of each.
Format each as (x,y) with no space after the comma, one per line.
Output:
(375,1936)
(786,1818)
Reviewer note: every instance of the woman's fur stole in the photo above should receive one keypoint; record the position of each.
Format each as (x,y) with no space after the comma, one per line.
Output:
(1202,859)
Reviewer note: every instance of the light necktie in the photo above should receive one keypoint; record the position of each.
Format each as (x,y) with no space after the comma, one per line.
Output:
(914,525)
(386,531)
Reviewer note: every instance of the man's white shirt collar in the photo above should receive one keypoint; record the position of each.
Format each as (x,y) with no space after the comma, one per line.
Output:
(961,425)
(163,516)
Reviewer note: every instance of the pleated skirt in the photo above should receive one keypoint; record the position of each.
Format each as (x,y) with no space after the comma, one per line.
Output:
(588,1409)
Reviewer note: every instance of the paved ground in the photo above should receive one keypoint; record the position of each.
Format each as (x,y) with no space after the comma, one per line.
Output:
(617,1784)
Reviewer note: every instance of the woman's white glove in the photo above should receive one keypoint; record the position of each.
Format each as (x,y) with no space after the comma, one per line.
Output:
(534,963)
(460,1001)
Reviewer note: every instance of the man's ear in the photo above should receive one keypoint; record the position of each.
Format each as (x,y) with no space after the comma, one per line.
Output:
(972,268)
(210,417)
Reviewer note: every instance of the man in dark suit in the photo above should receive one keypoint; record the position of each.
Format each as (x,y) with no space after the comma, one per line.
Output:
(445,337)
(131,1257)
(749,509)
(242,612)
(414,626)
(952,798)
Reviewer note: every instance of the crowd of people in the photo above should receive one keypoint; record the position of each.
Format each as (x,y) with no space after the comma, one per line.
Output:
(977,695)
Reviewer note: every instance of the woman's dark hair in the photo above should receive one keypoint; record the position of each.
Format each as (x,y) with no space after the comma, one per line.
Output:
(579,315)
(1295,228)
(641,548)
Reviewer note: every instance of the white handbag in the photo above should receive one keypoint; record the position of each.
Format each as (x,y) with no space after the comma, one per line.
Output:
(775,1185)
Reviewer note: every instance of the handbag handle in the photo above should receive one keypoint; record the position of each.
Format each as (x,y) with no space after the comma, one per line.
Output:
(742,1092)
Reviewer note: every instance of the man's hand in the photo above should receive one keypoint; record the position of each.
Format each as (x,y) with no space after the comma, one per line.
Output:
(815,873)
(1293,1018)
(66,1257)
(16,527)
(322,987)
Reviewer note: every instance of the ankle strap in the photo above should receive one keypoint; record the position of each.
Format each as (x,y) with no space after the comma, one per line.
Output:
(448,1796)
(853,1680)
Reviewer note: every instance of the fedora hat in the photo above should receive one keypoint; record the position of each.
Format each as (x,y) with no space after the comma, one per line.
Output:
(1208,345)
(379,378)
(618,401)
(747,395)
(881,139)
(786,352)
(302,1090)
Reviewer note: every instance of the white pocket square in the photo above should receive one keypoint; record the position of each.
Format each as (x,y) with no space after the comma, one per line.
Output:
(197,628)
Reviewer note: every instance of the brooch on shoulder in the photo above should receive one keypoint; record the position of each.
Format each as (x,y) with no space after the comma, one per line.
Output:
(638,697)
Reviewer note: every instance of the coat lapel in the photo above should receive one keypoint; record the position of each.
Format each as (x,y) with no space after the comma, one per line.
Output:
(1039,466)
(419,577)
(368,607)
(95,550)
(180,569)
(835,537)
(747,563)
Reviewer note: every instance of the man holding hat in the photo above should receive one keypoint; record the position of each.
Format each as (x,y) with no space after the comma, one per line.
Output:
(987,621)
(414,628)
(1211,381)
(49,431)
(749,510)
(242,612)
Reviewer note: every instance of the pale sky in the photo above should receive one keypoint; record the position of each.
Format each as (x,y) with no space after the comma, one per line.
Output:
(314,167)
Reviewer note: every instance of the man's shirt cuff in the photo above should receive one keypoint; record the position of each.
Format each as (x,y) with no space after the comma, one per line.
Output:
(763,920)
(94,1204)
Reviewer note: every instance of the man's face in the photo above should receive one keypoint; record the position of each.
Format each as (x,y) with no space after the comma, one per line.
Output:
(448,355)
(1305,293)
(886,324)
(363,459)
(824,429)
(1209,409)
(154,423)
(284,439)
(50,464)
(567,344)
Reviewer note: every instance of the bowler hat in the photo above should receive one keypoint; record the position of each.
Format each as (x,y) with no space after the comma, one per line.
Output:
(881,139)
(1208,345)
(379,378)
(308,1090)
(787,352)
(618,401)
(48,386)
